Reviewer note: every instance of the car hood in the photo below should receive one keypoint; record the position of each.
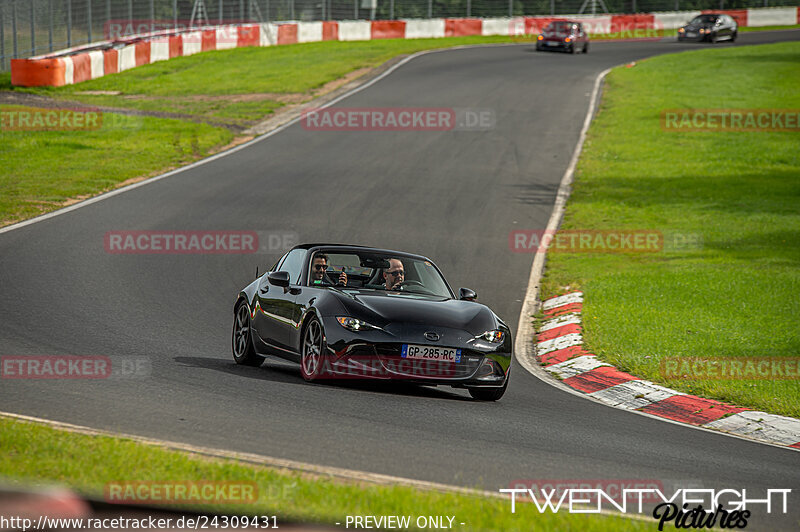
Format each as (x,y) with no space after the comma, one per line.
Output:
(382,309)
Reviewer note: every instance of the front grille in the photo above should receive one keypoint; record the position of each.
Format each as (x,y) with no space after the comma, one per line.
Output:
(389,355)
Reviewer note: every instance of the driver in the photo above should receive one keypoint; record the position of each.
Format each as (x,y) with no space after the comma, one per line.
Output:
(318,267)
(395,275)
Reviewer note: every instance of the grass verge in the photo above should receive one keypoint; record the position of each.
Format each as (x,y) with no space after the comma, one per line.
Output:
(32,453)
(737,293)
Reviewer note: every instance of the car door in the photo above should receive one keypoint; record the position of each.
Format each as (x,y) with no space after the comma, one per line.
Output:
(277,315)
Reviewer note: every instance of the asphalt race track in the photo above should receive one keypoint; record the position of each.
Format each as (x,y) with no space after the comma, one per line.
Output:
(451,195)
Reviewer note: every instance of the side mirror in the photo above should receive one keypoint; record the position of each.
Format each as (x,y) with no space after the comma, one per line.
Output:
(279,278)
(467,294)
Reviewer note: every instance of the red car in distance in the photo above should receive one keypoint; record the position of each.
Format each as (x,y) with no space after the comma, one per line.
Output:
(566,35)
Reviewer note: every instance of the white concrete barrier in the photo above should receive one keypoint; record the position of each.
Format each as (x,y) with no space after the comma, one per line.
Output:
(159,50)
(424,29)
(227,37)
(98,66)
(496,26)
(774,16)
(309,31)
(126,58)
(268,35)
(192,42)
(356,30)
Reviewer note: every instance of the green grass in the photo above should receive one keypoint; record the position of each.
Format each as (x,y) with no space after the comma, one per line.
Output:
(43,169)
(738,293)
(34,454)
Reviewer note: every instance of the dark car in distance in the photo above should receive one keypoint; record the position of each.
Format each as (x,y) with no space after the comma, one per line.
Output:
(711,27)
(566,35)
(394,317)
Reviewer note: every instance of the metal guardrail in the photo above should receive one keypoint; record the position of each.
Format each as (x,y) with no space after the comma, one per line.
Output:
(34,27)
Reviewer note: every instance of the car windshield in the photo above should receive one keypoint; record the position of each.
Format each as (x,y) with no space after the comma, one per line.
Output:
(704,19)
(377,271)
(559,25)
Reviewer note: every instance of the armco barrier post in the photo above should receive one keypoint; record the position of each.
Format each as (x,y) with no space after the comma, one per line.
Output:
(69,23)
(14,25)
(33,32)
(50,24)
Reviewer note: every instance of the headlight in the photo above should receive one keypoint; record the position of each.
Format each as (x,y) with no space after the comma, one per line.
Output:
(540,37)
(353,324)
(702,30)
(681,30)
(567,39)
(496,336)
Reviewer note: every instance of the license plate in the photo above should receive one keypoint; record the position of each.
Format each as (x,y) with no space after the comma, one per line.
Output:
(552,43)
(429,352)
(691,34)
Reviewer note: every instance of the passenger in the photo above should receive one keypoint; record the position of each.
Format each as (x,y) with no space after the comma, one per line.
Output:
(318,271)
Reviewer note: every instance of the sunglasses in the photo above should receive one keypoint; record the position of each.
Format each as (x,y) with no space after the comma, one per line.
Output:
(320,266)
(397,272)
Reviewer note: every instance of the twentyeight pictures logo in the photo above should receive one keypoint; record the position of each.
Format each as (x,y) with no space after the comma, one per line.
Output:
(685,508)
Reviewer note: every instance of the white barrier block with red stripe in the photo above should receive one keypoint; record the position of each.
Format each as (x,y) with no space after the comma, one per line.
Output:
(496,26)
(68,70)
(576,366)
(424,29)
(126,58)
(309,31)
(268,34)
(355,31)
(192,42)
(774,16)
(672,21)
(98,67)
(561,321)
(560,301)
(634,394)
(227,37)
(159,49)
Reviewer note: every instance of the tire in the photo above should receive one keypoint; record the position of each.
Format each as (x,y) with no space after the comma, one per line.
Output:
(242,339)
(586,48)
(712,38)
(734,35)
(488,394)
(312,351)
(571,49)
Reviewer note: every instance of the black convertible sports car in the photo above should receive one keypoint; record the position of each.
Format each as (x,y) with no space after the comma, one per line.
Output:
(352,312)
